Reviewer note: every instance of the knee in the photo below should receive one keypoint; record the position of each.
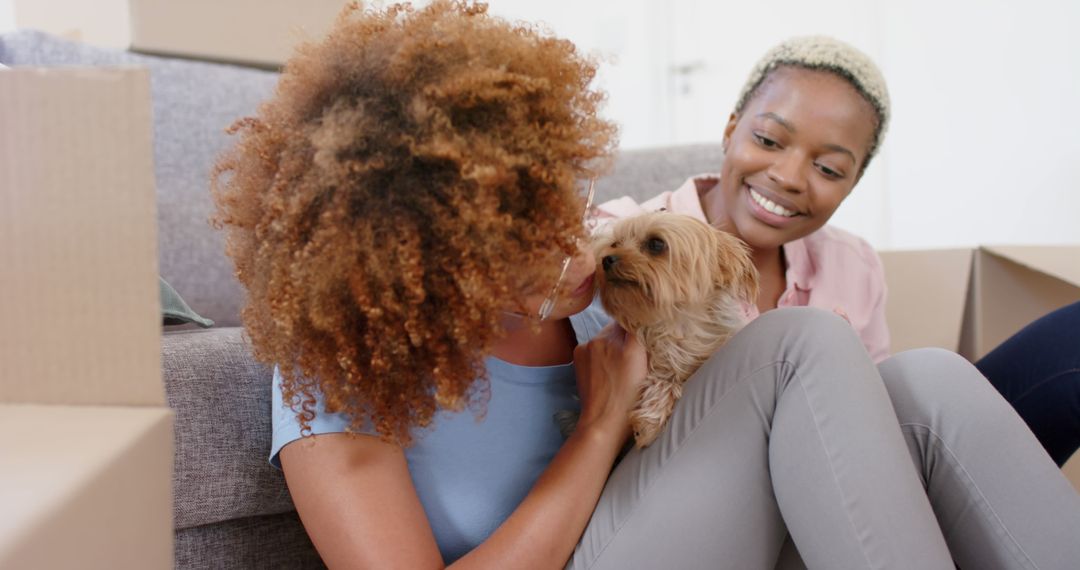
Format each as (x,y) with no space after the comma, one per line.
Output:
(810,321)
(808,328)
(928,382)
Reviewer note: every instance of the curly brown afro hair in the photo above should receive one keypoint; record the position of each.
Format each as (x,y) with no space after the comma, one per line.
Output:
(394,196)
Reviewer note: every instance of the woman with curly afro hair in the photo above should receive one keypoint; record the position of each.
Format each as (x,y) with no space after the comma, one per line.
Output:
(400,213)
(405,215)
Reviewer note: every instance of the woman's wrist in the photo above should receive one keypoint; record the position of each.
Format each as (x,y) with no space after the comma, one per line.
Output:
(609,432)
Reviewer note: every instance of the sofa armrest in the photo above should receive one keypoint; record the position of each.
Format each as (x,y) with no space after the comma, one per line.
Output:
(221,397)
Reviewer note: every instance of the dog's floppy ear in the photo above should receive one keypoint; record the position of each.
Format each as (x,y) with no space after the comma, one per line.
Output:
(737,272)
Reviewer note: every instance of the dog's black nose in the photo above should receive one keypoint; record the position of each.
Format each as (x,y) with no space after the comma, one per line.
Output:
(609,261)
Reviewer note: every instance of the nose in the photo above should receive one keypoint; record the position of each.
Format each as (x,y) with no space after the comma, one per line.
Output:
(609,261)
(787,171)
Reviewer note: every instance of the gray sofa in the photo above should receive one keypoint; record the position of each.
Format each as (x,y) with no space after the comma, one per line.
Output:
(231,509)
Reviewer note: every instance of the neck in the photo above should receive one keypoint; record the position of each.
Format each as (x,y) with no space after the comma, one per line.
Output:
(768,260)
(547,344)
(772,276)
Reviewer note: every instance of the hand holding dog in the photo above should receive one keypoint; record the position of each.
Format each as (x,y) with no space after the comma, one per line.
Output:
(611,370)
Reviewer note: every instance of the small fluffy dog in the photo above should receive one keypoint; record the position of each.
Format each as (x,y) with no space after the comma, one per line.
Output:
(681,286)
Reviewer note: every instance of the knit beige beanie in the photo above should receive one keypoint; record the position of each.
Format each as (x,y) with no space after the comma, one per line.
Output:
(826,54)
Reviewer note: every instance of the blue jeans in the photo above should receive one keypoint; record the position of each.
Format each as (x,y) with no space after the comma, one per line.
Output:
(1038,372)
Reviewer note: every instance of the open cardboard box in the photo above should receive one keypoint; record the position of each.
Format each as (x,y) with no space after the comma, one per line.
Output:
(971,300)
(243,31)
(258,33)
(85,435)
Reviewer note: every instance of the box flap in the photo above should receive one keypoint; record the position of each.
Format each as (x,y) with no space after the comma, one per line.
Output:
(1009,294)
(104,494)
(926,295)
(78,238)
(1061,261)
(208,29)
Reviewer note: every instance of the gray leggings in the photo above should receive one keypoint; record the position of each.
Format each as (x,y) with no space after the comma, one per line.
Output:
(791,428)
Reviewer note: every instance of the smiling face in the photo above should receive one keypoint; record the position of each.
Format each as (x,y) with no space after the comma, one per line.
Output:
(792,155)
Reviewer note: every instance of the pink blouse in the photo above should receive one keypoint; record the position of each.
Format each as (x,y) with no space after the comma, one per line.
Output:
(830,268)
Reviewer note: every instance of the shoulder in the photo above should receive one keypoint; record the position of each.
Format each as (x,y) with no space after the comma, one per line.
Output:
(285,420)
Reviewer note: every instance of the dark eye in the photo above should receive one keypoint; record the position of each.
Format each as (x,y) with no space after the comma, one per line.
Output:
(655,245)
(765,141)
(829,172)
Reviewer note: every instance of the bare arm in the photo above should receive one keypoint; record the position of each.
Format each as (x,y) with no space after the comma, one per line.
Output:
(358,504)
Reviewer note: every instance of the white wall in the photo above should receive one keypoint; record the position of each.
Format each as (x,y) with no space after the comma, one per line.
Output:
(986,95)
(986,100)
(7,16)
(985,145)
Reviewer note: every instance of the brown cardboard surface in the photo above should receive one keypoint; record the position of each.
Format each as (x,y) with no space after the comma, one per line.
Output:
(1013,286)
(101,22)
(1072,471)
(78,238)
(1060,261)
(85,487)
(249,31)
(971,300)
(925,296)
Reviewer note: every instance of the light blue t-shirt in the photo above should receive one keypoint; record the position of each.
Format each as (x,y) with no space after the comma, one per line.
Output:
(471,475)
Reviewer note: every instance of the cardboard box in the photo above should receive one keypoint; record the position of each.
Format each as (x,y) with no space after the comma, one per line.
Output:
(86,486)
(85,436)
(102,23)
(971,300)
(258,32)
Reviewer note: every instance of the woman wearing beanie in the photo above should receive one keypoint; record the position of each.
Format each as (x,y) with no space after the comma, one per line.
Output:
(808,121)
(404,214)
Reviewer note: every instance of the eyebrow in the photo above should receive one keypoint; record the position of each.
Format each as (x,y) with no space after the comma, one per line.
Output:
(791,129)
(838,148)
(783,122)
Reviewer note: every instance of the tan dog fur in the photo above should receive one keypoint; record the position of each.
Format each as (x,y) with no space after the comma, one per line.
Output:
(682,303)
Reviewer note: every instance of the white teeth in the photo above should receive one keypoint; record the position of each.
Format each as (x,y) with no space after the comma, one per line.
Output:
(770,205)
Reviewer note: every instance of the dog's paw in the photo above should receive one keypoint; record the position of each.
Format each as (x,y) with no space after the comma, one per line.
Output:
(646,428)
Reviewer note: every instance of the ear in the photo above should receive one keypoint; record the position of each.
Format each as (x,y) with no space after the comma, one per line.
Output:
(728,129)
(737,271)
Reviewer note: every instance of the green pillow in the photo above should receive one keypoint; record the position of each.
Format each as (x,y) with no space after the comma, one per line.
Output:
(174,311)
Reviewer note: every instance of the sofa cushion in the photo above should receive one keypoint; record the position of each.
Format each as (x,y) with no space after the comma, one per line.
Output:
(193,103)
(644,173)
(275,541)
(221,397)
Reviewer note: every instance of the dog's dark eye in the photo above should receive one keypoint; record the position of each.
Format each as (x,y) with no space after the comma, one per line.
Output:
(655,245)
